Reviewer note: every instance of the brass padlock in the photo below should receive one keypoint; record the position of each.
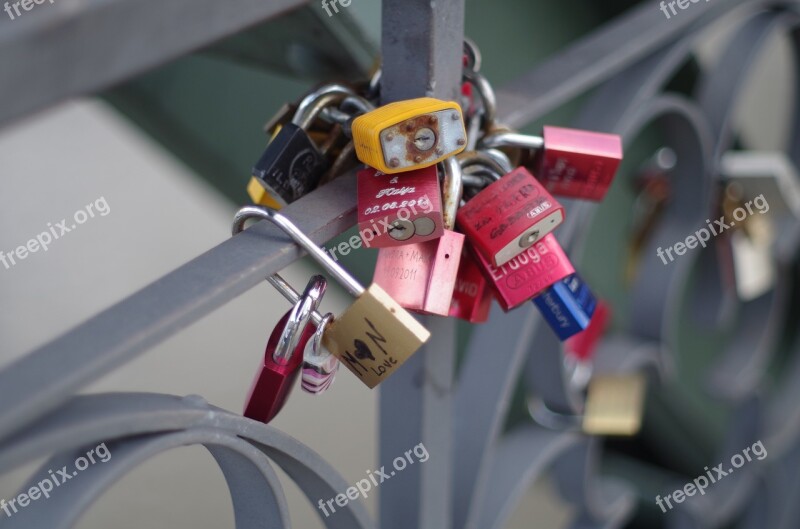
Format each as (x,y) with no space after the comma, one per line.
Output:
(615,404)
(375,335)
(409,135)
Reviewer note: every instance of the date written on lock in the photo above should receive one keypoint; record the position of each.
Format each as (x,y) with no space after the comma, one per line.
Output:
(509,216)
(399,210)
(409,134)
(527,275)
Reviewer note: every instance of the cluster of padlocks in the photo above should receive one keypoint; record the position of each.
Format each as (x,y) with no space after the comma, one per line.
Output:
(461,209)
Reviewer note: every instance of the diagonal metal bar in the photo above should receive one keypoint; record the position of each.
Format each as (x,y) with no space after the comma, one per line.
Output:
(39,382)
(71,48)
(598,57)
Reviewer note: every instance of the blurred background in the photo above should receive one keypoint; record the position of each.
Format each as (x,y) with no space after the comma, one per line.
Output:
(174,148)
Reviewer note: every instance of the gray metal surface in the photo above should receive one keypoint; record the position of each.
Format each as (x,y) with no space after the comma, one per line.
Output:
(75,48)
(421,56)
(478,472)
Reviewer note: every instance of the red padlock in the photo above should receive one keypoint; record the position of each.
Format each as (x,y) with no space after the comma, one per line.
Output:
(422,277)
(582,345)
(528,274)
(472,296)
(509,216)
(399,209)
(570,162)
(284,356)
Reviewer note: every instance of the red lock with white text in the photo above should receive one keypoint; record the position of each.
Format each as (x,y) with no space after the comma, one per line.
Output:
(421,277)
(509,216)
(399,209)
(570,162)
(283,357)
(472,296)
(528,274)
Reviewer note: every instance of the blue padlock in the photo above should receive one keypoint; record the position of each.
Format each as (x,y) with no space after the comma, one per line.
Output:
(567,306)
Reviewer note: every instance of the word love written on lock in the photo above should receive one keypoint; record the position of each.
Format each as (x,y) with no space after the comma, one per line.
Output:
(399,209)
(375,335)
(509,216)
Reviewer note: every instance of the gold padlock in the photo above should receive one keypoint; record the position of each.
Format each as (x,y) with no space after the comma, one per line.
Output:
(409,135)
(615,404)
(375,335)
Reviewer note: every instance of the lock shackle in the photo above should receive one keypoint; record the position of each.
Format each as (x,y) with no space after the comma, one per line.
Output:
(298,319)
(452,191)
(480,177)
(487,95)
(490,159)
(316,340)
(288,227)
(472,55)
(288,292)
(312,104)
(516,140)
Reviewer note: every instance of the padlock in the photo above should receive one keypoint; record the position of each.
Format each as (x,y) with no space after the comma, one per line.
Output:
(292,164)
(375,335)
(410,134)
(614,404)
(570,162)
(583,345)
(319,365)
(751,239)
(422,277)
(472,295)
(509,216)
(394,210)
(283,357)
(527,275)
(567,306)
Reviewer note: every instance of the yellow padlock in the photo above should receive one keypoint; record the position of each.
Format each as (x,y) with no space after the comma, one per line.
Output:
(409,135)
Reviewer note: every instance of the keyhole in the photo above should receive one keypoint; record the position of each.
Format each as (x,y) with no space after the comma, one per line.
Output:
(425,139)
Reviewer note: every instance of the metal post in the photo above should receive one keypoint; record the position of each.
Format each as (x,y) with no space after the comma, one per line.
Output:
(422,56)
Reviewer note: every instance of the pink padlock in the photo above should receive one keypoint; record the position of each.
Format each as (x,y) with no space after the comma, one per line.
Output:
(399,209)
(509,216)
(582,345)
(422,277)
(472,296)
(569,162)
(528,274)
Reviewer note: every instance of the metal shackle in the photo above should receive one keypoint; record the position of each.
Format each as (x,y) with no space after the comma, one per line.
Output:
(298,319)
(452,191)
(288,227)
(487,95)
(497,140)
(314,103)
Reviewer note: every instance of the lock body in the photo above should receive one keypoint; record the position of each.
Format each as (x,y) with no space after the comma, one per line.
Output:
(583,344)
(567,306)
(472,295)
(421,277)
(319,373)
(615,404)
(374,336)
(398,210)
(528,274)
(578,163)
(509,216)
(290,167)
(273,382)
(409,134)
